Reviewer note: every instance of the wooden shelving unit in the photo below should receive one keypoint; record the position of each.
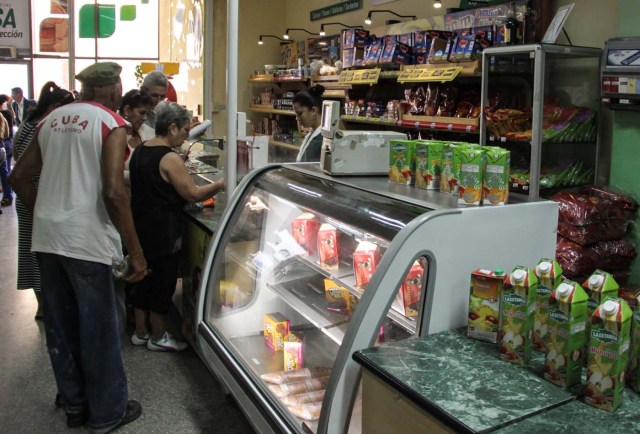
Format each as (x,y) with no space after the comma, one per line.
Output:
(426,123)
(284,145)
(270,110)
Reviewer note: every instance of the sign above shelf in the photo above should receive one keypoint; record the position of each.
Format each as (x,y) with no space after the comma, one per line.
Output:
(360,76)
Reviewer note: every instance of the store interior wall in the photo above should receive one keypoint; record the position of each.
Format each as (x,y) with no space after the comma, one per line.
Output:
(625,156)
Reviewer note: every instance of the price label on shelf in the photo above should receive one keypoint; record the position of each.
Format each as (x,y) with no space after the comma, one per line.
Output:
(360,76)
(430,73)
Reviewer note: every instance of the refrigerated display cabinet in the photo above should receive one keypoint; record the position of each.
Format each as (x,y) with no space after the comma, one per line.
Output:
(262,279)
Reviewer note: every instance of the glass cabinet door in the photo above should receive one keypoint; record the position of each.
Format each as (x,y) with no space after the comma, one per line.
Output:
(293,263)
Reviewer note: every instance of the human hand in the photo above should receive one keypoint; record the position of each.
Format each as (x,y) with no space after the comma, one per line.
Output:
(256,204)
(137,266)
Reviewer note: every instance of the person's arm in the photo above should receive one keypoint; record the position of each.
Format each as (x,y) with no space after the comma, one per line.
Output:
(16,137)
(175,172)
(117,202)
(29,164)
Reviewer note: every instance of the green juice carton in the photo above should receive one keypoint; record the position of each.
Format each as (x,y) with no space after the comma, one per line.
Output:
(549,274)
(495,185)
(598,286)
(402,160)
(422,176)
(450,167)
(608,354)
(429,170)
(484,304)
(567,325)
(632,297)
(517,313)
(472,162)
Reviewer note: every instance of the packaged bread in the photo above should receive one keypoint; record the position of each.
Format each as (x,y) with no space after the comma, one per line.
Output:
(295,375)
(297,387)
(304,398)
(306,411)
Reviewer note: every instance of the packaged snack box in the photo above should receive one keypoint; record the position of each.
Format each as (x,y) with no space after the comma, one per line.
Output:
(484,304)
(408,298)
(598,286)
(428,164)
(567,325)
(608,354)
(365,260)
(292,352)
(339,299)
(402,157)
(354,38)
(549,273)
(304,229)
(518,308)
(632,297)
(421,42)
(472,161)
(328,247)
(276,327)
(495,184)
(405,38)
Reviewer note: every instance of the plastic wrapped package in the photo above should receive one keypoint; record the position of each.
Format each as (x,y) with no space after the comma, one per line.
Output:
(581,209)
(448,100)
(574,259)
(609,230)
(614,255)
(620,199)
(432,101)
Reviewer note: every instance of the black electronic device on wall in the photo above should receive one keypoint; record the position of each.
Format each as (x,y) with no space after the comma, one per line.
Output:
(620,74)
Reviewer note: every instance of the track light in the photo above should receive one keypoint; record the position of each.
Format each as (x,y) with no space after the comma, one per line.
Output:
(323,33)
(286,33)
(437,4)
(368,21)
(261,42)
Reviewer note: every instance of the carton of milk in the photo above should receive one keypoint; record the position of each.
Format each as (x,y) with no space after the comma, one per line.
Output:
(549,275)
(598,286)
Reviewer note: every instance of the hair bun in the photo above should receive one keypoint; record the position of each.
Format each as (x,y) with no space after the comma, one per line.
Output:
(317,90)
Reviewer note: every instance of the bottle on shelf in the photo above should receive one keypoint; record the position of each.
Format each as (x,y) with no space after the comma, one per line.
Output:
(528,24)
(511,29)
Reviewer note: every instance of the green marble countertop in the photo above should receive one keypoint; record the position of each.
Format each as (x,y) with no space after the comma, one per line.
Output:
(462,381)
(209,217)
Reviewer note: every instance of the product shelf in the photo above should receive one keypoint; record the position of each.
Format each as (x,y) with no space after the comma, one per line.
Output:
(270,110)
(436,123)
(284,145)
(271,79)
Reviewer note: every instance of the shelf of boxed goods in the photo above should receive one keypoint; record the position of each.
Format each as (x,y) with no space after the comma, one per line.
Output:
(284,145)
(436,123)
(257,108)
(271,79)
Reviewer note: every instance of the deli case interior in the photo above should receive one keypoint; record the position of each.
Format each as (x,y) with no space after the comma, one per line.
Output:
(306,268)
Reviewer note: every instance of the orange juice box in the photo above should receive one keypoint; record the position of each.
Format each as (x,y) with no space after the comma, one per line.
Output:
(292,352)
(495,185)
(339,299)
(567,325)
(632,297)
(484,304)
(402,161)
(428,164)
(276,327)
(328,247)
(608,354)
(472,161)
(365,260)
(598,286)
(518,309)
(304,229)
(408,298)
(549,274)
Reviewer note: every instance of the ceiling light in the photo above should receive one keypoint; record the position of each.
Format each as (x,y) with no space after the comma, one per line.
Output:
(286,36)
(323,33)
(261,42)
(367,21)
(437,4)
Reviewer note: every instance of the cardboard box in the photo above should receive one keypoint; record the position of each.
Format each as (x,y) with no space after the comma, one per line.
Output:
(397,53)
(339,299)
(365,261)
(328,247)
(406,39)
(292,353)
(408,298)
(484,304)
(440,50)
(276,327)
(354,38)
(518,308)
(304,230)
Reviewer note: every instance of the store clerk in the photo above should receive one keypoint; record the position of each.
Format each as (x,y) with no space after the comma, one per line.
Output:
(308,107)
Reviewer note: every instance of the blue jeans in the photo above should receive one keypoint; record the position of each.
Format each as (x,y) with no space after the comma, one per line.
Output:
(5,169)
(83,337)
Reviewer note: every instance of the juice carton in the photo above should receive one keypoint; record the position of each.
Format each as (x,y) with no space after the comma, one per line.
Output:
(450,162)
(421,176)
(402,159)
(304,229)
(339,299)
(518,309)
(328,247)
(472,161)
(428,164)
(598,286)
(292,352)
(632,297)
(567,325)
(276,327)
(549,275)
(408,298)
(365,260)
(484,304)
(608,354)
(496,176)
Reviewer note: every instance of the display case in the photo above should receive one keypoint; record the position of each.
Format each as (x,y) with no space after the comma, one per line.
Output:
(541,102)
(306,268)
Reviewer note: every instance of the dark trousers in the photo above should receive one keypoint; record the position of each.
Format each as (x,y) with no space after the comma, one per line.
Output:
(5,169)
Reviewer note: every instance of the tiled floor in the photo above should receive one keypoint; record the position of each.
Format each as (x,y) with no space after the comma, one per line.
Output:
(177,392)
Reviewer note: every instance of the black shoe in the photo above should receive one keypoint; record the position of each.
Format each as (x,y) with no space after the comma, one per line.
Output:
(75,420)
(134,409)
(58,401)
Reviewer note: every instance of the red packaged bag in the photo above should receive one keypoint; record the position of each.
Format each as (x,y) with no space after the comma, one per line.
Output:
(581,209)
(573,258)
(614,255)
(626,203)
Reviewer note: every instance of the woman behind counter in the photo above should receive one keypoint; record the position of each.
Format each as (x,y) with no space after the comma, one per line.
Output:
(160,188)
(308,107)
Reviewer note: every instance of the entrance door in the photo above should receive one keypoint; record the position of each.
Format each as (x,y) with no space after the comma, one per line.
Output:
(16,73)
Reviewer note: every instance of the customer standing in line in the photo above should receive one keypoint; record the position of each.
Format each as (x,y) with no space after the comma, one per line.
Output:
(160,188)
(81,213)
(156,85)
(51,97)
(308,107)
(7,144)
(21,106)
(134,108)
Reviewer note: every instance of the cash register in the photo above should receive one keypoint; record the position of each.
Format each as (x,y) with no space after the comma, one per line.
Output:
(349,153)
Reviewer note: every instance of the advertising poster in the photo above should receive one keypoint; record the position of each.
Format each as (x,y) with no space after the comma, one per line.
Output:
(14,24)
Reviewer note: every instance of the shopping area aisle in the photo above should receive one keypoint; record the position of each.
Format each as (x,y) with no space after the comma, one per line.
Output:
(177,393)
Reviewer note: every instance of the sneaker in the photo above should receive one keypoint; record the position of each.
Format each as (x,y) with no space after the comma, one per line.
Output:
(166,343)
(139,340)
(76,420)
(134,409)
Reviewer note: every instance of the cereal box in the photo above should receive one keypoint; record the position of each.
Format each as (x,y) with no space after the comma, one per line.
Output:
(518,308)
(549,275)
(402,161)
(365,260)
(428,164)
(276,327)
(408,298)
(495,185)
(567,325)
(472,161)
(484,304)
(608,354)
(339,299)
(304,229)
(328,247)
(292,352)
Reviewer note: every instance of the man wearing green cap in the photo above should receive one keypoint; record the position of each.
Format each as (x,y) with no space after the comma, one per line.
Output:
(81,213)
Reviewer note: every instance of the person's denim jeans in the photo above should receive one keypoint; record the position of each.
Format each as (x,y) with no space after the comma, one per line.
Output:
(5,169)
(83,337)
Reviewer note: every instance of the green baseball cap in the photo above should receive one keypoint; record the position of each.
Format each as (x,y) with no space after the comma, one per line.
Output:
(100,74)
